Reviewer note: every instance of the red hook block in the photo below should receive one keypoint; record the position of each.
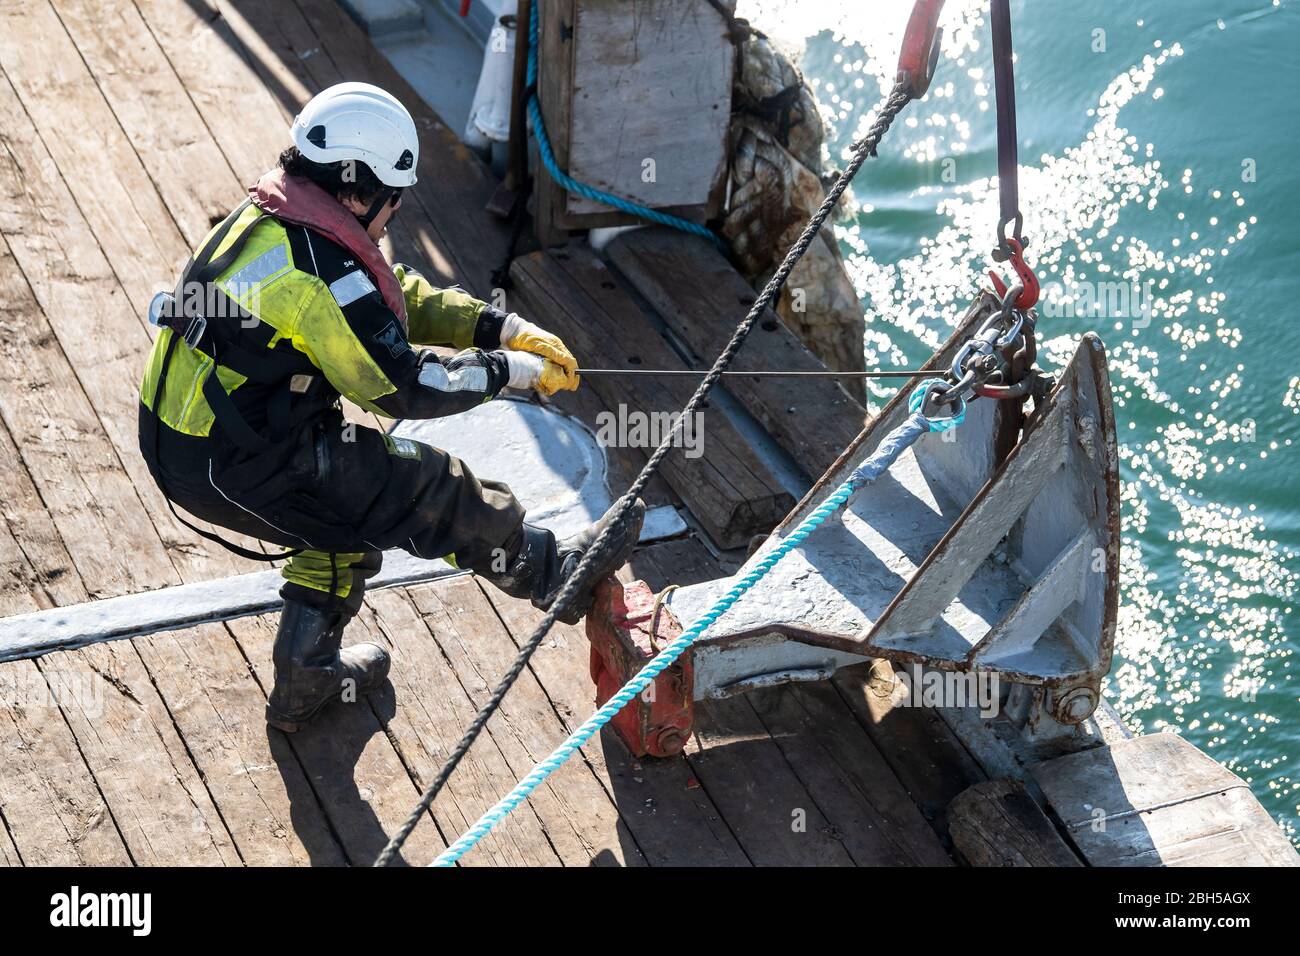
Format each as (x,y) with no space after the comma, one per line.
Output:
(1028,297)
(657,722)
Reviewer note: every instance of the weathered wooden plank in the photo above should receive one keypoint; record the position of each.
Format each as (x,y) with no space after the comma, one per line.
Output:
(52,806)
(918,746)
(51,810)
(75,470)
(849,813)
(701,298)
(769,810)
(349,761)
(727,489)
(9,855)
(254,777)
(431,714)
(115,194)
(125,733)
(239,112)
(614,303)
(663,70)
(844,771)
(280,46)
(526,728)
(682,562)
(674,821)
(168,134)
(45,306)
(554,81)
(996,823)
(1158,801)
(36,571)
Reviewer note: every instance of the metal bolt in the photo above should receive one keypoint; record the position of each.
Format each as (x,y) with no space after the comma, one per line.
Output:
(1075,705)
(669,742)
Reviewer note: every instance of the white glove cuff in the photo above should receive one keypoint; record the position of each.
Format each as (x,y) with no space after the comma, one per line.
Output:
(525,369)
(512,326)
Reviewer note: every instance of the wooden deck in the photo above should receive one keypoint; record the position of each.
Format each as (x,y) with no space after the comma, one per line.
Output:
(126,130)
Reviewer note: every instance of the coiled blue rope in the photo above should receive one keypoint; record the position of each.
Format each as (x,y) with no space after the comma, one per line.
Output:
(886,453)
(582,189)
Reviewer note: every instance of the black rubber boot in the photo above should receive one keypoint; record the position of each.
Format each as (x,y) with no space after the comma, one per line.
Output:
(310,670)
(540,565)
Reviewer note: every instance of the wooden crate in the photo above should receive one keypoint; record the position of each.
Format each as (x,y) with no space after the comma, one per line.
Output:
(624,82)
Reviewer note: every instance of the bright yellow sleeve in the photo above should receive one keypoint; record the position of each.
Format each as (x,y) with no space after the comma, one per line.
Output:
(438,316)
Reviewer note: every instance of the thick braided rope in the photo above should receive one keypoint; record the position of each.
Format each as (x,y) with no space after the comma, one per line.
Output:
(886,453)
(894,103)
(583,189)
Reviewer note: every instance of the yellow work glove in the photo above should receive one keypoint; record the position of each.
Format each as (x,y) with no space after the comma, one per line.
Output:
(532,371)
(519,335)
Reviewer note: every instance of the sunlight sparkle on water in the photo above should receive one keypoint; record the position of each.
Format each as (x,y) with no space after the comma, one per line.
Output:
(1205,590)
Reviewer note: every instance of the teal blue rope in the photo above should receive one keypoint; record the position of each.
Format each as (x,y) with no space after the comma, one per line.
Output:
(582,189)
(886,453)
(917,399)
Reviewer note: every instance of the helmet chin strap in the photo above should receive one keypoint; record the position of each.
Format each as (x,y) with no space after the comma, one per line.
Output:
(376,207)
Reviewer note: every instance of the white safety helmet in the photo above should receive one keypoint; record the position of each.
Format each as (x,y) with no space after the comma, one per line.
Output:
(360,122)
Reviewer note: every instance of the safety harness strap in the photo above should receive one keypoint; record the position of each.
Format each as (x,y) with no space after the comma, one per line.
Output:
(201,269)
(162,484)
(1004,87)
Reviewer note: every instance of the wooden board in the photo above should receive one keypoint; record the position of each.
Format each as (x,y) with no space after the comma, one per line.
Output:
(350,765)
(252,773)
(773,815)
(583,823)
(996,823)
(727,488)
(52,806)
(553,214)
(863,800)
(667,811)
(189,171)
(158,799)
(918,746)
(1158,801)
(681,562)
(429,714)
(651,81)
(79,381)
(116,195)
(701,298)
(9,855)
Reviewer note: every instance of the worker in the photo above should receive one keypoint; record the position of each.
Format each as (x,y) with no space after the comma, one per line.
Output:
(289,304)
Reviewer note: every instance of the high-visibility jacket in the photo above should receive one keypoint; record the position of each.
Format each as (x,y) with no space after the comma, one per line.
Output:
(294,321)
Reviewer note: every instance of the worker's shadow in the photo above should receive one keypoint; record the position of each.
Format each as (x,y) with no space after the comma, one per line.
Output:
(331,816)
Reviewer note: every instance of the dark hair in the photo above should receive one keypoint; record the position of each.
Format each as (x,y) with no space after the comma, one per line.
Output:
(343,180)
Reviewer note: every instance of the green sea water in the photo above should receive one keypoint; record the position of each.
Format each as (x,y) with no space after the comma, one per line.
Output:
(1158,151)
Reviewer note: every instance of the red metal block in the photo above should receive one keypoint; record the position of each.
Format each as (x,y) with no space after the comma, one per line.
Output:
(657,723)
